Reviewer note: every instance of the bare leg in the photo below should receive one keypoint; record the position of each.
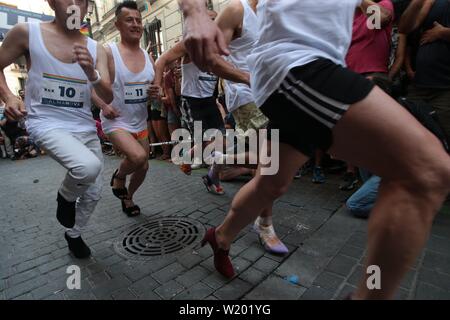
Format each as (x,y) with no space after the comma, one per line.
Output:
(172,127)
(259,194)
(376,134)
(231,173)
(136,157)
(163,136)
(407,202)
(151,136)
(138,177)
(318,158)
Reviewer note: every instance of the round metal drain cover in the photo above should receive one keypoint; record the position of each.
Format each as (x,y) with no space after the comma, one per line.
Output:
(160,238)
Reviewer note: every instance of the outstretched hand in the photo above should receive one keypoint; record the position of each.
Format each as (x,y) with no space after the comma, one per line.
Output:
(203,40)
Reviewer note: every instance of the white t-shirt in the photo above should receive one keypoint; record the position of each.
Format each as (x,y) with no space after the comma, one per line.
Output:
(293,33)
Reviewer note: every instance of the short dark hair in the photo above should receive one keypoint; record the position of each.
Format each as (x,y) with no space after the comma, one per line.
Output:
(126,4)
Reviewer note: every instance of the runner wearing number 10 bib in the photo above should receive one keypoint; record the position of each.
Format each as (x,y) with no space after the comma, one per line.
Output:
(64,66)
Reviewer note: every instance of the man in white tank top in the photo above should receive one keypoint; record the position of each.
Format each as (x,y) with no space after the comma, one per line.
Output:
(124,121)
(300,82)
(64,66)
(198,101)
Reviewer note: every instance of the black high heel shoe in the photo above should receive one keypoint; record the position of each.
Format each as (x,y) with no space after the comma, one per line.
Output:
(121,193)
(133,211)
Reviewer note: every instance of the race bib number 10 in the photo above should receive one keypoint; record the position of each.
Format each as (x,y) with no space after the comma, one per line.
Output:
(59,91)
(136,92)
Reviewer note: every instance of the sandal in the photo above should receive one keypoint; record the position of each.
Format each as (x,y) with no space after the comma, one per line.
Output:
(211,187)
(133,211)
(121,193)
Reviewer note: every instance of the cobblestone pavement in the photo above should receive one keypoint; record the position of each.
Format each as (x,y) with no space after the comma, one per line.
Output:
(326,245)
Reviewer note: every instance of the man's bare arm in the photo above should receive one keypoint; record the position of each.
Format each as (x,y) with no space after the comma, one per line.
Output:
(438,32)
(415,15)
(178,51)
(14,46)
(226,70)
(229,22)
(445,34)
(103,89)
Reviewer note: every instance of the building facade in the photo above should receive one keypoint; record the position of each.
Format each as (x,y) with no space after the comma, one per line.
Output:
(162,21)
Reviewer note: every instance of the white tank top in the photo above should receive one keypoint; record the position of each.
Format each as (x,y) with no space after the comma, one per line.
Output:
(195,83)
(239,94)
(293,33)
(130,95)
(57,94)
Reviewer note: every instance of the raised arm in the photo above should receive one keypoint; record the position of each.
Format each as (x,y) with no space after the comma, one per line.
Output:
(229,22)
(178,51)
(14,46)
(202,37)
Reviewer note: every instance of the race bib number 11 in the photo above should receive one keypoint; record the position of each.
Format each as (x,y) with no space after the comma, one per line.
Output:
(59,91)
(136,92)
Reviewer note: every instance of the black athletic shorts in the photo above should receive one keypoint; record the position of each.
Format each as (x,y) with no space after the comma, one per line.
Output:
(201,109)
(311,100)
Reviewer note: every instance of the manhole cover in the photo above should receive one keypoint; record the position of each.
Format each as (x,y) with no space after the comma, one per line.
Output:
(160,238)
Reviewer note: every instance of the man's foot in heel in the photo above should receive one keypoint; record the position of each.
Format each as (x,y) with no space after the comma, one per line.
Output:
(221,260)
(77,246)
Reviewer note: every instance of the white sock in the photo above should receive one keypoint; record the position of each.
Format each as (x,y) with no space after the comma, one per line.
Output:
(265,221)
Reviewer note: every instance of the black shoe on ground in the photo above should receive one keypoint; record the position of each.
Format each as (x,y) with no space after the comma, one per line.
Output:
(77,246)
(350,181)
(65,213)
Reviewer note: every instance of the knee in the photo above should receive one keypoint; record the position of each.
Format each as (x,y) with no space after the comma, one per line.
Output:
(145,166)
(433,179)
(88,171)
(274,189)
(139,159)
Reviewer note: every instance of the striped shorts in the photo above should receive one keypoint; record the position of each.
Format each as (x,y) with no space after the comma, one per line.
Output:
(311,100)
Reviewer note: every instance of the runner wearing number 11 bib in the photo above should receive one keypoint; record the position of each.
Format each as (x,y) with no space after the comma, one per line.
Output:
(125,119)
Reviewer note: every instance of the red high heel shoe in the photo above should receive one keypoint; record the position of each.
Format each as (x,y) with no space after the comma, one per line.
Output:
(221,260)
